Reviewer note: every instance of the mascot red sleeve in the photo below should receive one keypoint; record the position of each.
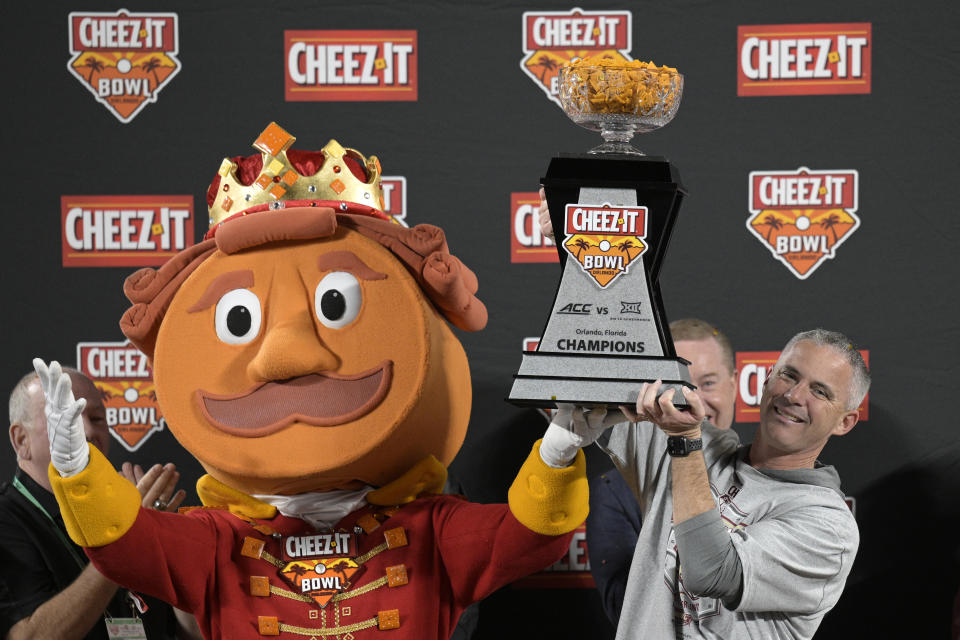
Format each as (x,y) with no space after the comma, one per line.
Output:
(302,354)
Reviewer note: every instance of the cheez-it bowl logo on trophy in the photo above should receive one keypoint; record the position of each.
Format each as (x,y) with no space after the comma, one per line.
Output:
(605,241)
(613,210)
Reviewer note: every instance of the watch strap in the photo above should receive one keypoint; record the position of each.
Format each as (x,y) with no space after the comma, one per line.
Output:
(681,446)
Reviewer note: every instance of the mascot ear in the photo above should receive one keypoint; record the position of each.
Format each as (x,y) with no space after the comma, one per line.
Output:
(451,286)
(151,290)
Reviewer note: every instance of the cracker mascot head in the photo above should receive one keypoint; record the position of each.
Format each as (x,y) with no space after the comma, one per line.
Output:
(304,344)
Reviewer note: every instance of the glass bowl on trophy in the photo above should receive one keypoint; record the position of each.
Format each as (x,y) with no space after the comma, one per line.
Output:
(613,210)
(619,100)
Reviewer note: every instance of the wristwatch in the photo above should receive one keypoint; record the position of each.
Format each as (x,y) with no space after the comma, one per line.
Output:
(680,446)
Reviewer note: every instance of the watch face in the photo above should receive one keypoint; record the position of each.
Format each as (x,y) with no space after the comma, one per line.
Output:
(677,446)
(681,446)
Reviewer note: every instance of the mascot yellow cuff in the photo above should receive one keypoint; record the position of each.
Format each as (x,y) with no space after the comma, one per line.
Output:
(547,500)
(98,505)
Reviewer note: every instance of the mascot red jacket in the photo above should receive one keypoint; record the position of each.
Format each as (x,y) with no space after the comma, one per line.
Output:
(302,354)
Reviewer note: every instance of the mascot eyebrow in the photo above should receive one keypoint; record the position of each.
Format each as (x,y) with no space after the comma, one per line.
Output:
(240,279)
(348,261)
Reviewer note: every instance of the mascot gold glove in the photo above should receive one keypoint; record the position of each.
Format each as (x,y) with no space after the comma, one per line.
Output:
(69,452)
(573,428)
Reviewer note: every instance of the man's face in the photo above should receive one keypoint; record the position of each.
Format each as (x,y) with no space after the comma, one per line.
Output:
(37,459)
(805,400)
(716,383)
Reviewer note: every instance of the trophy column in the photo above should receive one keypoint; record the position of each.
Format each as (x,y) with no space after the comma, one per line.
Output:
(607,333)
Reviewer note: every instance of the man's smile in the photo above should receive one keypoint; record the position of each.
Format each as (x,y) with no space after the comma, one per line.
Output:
(788,415)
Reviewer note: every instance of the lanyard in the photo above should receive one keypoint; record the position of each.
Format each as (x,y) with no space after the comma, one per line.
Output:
(135,601)
(63,539)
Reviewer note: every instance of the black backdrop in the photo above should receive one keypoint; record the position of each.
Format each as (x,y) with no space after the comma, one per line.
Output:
(480,130)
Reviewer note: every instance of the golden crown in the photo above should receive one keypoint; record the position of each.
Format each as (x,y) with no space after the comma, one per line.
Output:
(280,180)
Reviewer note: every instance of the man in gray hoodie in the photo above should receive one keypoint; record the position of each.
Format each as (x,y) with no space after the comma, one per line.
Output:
(738,541)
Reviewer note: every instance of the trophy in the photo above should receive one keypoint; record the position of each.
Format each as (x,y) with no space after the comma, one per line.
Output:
(612,210)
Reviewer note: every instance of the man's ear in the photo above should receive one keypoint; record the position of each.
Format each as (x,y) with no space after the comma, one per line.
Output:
(20,440)
(847,422)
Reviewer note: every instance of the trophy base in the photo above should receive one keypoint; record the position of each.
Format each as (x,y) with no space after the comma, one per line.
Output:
(546,378)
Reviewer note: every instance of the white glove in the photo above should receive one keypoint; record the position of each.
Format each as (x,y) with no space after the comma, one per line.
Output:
(572,429)
(69,451)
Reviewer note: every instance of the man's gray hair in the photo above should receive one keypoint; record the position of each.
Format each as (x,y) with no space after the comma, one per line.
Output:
(860,380)
(19,405)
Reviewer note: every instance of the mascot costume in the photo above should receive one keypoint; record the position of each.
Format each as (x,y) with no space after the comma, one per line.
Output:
(301,353)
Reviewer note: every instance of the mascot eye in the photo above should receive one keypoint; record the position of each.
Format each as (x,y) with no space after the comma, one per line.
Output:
(238,316)
(338,299)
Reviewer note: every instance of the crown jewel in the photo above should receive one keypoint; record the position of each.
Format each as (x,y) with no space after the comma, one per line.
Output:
(279,179)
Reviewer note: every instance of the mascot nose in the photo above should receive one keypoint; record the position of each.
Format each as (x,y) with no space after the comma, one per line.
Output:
(291,348)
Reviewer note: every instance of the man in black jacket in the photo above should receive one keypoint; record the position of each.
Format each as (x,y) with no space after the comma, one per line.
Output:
(47,587)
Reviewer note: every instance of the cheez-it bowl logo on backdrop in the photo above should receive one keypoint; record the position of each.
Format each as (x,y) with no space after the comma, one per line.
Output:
(753,367)
(803,59)
(605,240)
(527,244)
(124,231)
(803,216)
(125,381)
(354,66)
(552,38)
(124,59)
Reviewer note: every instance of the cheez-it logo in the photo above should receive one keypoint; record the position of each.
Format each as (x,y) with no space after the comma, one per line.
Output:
(355,66)
(124,58)
(802,216)
(804,59)
(605,240)
(124,231)
(553,38)
(395,198)
(527,243)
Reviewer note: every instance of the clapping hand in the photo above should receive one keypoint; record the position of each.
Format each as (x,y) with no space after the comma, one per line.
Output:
(156,486)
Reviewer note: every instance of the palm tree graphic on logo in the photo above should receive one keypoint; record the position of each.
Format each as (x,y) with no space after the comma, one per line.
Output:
(298,571)
(829,224)
(546,63)
(94,65)
(772,223)
(149,66)
(582,245)
(624,247)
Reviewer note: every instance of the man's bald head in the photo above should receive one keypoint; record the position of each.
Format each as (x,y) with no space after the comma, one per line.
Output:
(28,423)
